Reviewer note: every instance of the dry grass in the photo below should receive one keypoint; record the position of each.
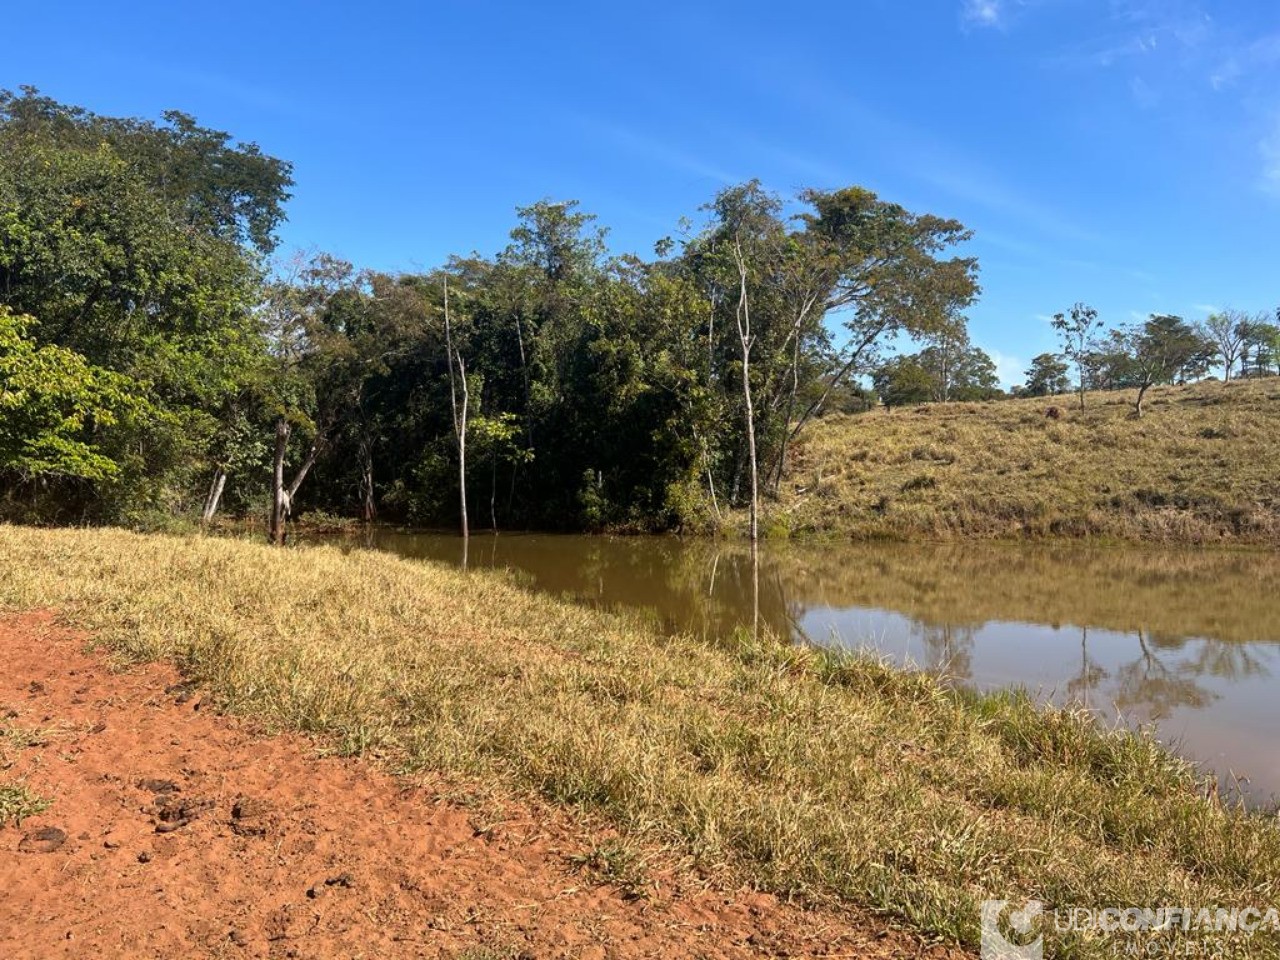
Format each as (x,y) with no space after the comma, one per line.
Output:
(837,780)
(1200,467)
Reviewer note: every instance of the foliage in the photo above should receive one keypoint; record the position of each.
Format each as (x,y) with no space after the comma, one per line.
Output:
(604,392)
(57,410)
(1077,329)
(136,246)
(1047,376)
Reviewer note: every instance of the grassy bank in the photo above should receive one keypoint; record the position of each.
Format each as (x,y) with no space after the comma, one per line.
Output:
(1198,468)
(843,781)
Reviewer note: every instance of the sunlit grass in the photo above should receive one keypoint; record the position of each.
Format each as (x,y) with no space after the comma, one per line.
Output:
(1198,468)
(832,779)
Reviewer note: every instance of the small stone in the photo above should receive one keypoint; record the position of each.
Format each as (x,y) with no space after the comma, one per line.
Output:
(44,840)
(156,785)
(144,857)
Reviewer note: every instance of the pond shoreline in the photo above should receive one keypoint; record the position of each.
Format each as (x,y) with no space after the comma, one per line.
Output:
(833,779)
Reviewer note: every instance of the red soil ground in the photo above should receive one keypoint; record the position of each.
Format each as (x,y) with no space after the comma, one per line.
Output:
(190,834)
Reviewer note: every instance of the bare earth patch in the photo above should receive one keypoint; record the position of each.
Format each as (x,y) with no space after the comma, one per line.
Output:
(174,831)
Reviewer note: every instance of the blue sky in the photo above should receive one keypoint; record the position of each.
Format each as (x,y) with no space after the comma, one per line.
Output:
(1121,152)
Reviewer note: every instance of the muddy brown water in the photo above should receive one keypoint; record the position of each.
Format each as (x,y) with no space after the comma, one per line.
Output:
(1185,640)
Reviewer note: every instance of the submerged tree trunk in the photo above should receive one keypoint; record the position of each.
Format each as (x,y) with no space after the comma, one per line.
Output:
(214,497)
(744,337)
(459,412)
(369,507)
(279,496)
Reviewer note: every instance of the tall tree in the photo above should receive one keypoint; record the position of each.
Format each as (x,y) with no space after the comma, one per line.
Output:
(1077,329)
(458,384)
(1228,330)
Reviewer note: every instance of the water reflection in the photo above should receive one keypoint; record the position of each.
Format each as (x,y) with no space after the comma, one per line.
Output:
(1186,640)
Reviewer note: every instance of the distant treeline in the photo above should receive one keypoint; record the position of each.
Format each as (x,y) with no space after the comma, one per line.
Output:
(157,364)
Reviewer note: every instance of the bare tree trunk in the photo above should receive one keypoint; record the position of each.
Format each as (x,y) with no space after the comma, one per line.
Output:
(493,493)
(313,453)
(369,512)
(1137,406)
(279,496)
(459,414)
(282,495)
(462,448)
(743,316)
(755,590)
(211,501)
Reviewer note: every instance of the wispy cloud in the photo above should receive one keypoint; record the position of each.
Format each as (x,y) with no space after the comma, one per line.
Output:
(1178,54)
(659,151)
(1270,151)
(982,13)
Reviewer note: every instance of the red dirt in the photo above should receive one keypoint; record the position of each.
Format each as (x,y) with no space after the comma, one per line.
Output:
(190,834)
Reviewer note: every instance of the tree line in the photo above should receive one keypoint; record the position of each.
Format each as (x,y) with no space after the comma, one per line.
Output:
(156,362)
(1160,350)
(160,361)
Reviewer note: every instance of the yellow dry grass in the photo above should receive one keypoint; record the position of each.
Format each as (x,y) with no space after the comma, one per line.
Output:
(1202,466)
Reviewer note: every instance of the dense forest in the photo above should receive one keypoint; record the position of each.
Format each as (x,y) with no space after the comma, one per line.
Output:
(160,362)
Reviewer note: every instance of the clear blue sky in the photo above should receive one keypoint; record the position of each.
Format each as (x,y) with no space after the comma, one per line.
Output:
(1121,152)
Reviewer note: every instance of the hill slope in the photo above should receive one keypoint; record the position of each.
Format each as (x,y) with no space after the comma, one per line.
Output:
(1202,466)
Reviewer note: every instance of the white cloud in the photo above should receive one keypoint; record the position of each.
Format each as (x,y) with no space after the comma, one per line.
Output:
(982,13)
(1009,369)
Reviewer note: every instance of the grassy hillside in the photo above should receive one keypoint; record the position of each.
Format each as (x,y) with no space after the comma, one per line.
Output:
(1202,466)
(839,780)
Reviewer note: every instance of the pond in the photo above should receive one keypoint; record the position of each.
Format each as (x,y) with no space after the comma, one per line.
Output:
(1188,641)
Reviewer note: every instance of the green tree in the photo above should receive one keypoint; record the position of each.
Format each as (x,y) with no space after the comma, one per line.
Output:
(1047,376)
(1158,351)
(136,246)
(56,409)
(1228,331)
(1077,329)
(904,381)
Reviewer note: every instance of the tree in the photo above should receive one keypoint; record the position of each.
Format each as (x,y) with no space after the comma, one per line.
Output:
(56,409)
(903,381)
(1228,330)
(459,411)
(1077,329)
(958,369)
(1261,347)
(1157,351)
(136,245)
(318,320)
(1047,376)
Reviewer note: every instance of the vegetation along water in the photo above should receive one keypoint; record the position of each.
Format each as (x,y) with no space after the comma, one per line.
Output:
(793,370)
